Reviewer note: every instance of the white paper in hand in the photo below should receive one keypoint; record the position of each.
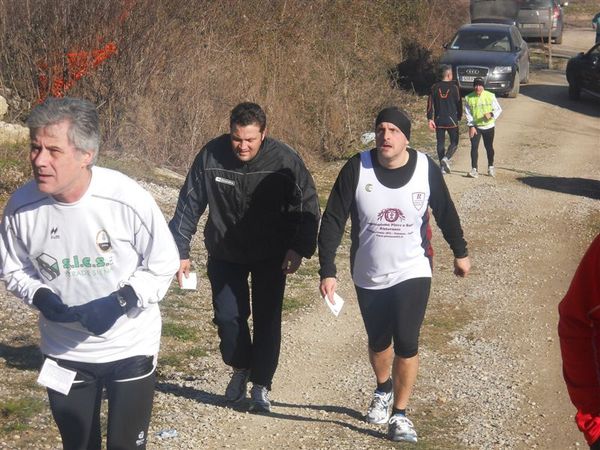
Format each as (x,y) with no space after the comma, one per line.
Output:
(190,282)
(55,377)
(337,306)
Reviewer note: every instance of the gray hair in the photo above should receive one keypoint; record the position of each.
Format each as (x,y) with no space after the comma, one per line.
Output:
(84,129)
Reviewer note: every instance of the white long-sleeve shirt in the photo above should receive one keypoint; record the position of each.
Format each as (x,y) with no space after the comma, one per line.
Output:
(114,235)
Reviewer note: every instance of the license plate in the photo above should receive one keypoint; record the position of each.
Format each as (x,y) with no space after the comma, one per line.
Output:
(467,79)
(530,25)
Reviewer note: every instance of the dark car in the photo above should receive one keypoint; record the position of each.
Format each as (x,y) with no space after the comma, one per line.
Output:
(495,52)
(534,19)
(583,73)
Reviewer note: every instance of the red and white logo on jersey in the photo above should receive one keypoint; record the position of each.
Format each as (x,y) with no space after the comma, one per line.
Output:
(390,215)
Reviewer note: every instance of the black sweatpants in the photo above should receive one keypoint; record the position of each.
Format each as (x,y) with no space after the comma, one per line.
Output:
(440,135)
(129,385)
(231,303)
(488,143)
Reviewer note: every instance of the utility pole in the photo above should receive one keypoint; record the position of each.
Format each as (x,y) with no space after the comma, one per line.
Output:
(550,17)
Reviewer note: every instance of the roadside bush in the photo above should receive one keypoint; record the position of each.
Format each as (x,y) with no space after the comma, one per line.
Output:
(166,74)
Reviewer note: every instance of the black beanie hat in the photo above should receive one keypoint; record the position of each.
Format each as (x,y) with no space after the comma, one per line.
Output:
(396,116)
(478,82)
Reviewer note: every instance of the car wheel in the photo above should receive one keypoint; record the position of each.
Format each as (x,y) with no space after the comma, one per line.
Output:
(515,89)
(574,91)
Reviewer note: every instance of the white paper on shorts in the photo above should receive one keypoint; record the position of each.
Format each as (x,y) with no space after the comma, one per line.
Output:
(337,307)
(55,377)
(190,282)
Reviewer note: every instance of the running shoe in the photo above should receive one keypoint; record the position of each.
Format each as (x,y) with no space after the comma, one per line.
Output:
(379,410)
(473,173)
(236,389)
(491,171)
(400,428)
(446,165)
(259,400)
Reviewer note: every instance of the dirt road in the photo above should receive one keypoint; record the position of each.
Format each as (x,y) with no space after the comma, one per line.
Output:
(490,374)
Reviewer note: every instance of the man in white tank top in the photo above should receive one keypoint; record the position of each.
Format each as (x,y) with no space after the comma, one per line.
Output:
(387,192)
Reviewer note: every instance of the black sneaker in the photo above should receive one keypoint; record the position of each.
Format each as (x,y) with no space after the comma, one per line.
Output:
(259,400)
(237,388)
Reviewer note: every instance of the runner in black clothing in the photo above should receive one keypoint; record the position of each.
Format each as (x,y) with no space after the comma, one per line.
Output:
(263,216)
(444,111)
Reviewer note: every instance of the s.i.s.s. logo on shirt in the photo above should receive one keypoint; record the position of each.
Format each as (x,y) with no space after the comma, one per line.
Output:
(48,266)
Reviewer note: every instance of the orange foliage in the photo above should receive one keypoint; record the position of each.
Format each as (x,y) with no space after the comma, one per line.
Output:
(57,79)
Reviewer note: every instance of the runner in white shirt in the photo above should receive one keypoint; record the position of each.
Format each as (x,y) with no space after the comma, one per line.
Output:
(387,193)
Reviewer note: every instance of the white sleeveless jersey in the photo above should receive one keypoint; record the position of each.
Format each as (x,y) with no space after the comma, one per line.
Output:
(394,234)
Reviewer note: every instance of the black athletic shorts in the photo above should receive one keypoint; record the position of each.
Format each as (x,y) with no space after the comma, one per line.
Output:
(395,313)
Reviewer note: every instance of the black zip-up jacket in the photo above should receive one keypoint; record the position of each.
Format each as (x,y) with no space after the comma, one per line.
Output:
(444,104)
(257,209)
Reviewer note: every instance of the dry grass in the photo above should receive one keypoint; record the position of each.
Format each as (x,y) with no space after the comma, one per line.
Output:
(321,69)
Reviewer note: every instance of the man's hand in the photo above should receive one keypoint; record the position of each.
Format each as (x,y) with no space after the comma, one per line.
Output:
(472,131)
(431,124)
(99,315)
(291,262)
(52,307)
(184,270)
(462,266)
(488,115)
(327,288)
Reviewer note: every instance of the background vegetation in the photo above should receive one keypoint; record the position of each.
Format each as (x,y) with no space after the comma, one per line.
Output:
(167,73)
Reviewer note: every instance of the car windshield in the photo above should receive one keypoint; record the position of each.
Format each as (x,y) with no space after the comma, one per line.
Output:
(490,41)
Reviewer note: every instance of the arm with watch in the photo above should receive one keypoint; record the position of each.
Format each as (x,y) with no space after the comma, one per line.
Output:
(99,315)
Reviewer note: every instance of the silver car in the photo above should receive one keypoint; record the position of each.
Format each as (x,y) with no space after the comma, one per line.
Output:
(535,17)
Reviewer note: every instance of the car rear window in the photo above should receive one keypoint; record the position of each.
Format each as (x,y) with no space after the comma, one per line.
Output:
(493,41)
(535,4)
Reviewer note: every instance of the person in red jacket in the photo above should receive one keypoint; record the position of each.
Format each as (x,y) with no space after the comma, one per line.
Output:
(578,328)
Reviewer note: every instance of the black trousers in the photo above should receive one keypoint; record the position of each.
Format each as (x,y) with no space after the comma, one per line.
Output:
(440,135)
(233,305)
(129,385)
(488,143)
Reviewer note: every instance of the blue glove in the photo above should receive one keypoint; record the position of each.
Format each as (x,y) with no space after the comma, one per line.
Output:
(52,307)
(99,315)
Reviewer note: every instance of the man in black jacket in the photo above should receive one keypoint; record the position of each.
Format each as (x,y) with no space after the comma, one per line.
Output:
(263,219)
(444,111)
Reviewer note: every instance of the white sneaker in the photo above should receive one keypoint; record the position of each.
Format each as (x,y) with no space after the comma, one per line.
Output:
(237,387)
(379,410)
(491,171)
(400,428)
(259,400)
(473,173)
(446,165)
